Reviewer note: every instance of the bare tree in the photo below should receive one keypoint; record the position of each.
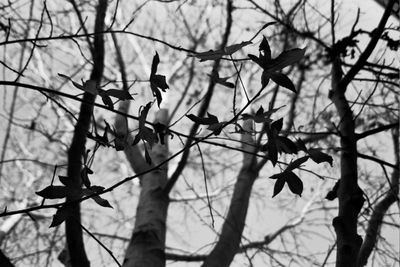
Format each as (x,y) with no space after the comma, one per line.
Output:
(173,113)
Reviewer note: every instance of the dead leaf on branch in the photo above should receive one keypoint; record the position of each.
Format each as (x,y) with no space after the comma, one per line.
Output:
(90,87)
(272,67)
(212,121)
(217,54)
(221,80)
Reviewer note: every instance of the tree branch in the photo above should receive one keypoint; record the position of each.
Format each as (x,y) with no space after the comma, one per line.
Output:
(379,161)
(82,26)
(380,209)
(96,33)
(370,47)
(395,11)
(205,104)
(376,130)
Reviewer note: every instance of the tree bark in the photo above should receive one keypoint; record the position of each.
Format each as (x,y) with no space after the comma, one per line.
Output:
(232,229)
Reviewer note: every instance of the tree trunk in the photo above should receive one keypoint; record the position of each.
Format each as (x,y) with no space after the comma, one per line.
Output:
(231,234)
(380,209)
(349,194)
(147,244)
(73,230)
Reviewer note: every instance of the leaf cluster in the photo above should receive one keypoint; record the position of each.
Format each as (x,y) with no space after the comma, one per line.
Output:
(63,191)
(212,121)
(147,135)
(272,67)
(288,176)
(90,87)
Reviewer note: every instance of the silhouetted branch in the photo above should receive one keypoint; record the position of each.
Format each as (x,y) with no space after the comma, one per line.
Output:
(204,106)
(379,161)
(370,47)
(96,33)
(376,130)
(380,209)
(73,229)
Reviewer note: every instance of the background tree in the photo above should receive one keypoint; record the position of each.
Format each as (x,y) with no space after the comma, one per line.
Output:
(174,113)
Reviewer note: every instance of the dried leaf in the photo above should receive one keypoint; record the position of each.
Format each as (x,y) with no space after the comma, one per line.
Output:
(148,135)
(286,145)
(120,94)
(229,50)
(276,176)
(154,64)
(332,194)
(64,179)
(265,77)
(156,93)
(53,192)
(208,55)
(277,125)
(255,59)
(160,130)
(294,183)
(319,157)
(282,80)
(84,176)
(265,48)
(296,163)
(147,156)
(102,202)
(217,54)
(60,216)
(157,81)
(272,151)
(203,121)
(223,81)
(286,58)
(216,127)
(301,146)
(107,101)
(96,189)
(280,182)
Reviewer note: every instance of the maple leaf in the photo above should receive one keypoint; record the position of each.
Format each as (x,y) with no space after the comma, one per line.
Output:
(272,67)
